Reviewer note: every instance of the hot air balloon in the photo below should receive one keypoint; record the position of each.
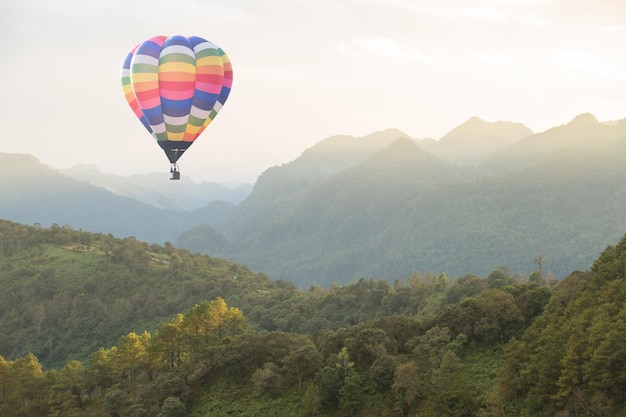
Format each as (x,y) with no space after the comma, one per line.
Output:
(176,86)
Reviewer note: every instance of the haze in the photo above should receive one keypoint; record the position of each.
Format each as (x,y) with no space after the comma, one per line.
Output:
(304,70)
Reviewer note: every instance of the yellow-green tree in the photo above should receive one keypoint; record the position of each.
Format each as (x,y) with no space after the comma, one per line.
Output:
(102,368)
(25,379)
(205,324)
(167,343)
(4,382)
(131,356)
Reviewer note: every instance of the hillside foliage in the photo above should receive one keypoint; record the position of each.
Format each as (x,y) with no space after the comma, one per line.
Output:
(246,345)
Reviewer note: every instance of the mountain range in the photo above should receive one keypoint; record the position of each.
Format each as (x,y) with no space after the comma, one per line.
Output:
(384,205)
(84,198)
(406,207)
(185,194)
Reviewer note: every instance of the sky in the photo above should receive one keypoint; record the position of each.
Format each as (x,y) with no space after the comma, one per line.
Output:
(304,70)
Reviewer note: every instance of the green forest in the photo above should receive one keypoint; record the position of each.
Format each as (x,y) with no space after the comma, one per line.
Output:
(92,325)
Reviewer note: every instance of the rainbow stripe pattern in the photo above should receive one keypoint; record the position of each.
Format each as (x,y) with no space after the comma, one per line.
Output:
(176,86)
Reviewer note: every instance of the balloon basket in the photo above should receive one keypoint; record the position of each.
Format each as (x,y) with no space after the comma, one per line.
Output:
(174,172)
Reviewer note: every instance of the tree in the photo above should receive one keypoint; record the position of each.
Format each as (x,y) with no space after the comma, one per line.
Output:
(571,375)
(172,383)
(167,342)
(131,355)
(351,393)
(431,346)
(467,286)
(303,362)
(540,260)
(172,407)
(368,345)
(343,361)
(5,385)
(441,283)
(26,382)
(311,401)
(328,381)
(115,401)
(530,299)
(499,278)
(267,380)
(4,378)
(497,317)
(102,368)
(235,320)
(546,344)
(217,317)
(537,277)
(405,385)
(205,323)
(38,312)
(454,394)
(381,372)
(510,386)
(68,389)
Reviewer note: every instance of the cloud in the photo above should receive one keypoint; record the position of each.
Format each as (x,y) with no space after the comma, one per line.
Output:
(380,47)
(498,60)
(495,11)
(273,73)
(578,64)
(601,14)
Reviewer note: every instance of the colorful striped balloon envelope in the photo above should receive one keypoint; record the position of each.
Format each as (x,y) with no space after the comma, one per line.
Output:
(176,86)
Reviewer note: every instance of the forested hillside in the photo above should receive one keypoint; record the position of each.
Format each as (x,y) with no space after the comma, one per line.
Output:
(68,292)
(572,361)
(499,345)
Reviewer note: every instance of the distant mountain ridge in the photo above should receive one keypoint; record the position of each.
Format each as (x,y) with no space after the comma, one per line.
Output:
(151,189)
(403,209)
(34,193)
(383,205)
(475,140)
(584,131)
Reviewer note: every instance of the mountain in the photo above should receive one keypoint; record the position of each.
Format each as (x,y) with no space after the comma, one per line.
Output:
(565,207)
(279,189)
(34,193)
(584,131)
(402,209)
(382,205)
(322,237)
(154,190)
(324,159)
(473,141)
(339,152)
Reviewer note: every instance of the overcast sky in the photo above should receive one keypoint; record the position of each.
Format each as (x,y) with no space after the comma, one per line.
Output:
(304,70)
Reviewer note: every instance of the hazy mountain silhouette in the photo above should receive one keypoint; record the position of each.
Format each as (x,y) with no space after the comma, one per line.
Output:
(34,193)
(382,205)
(336,220)
(475,140)
(151,189)
(584,131)
(403,209)
(279,189)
